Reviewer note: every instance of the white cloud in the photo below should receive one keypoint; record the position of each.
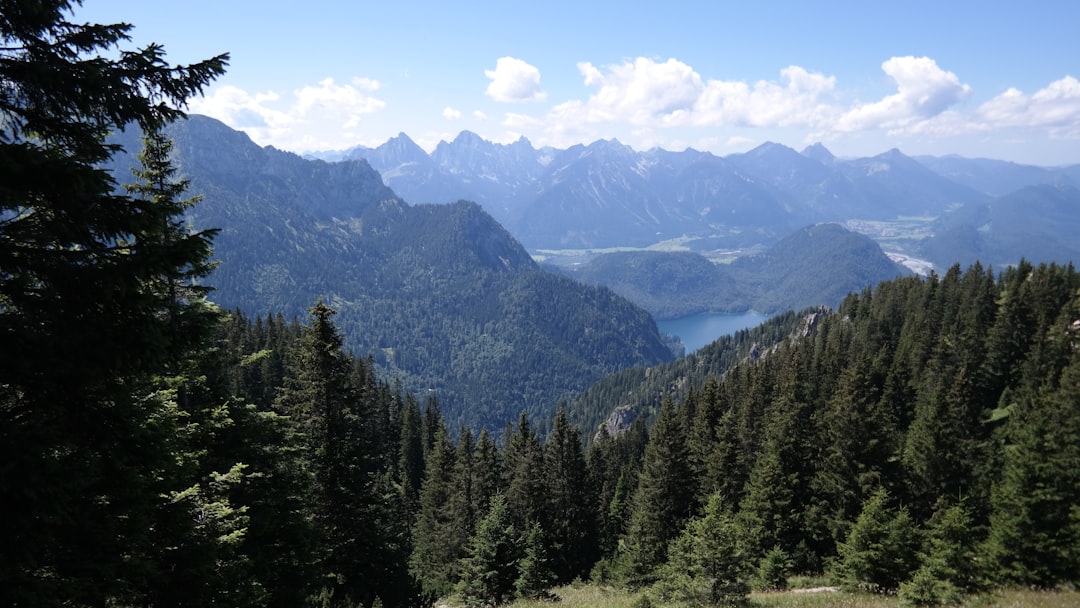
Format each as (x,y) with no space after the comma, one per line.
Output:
(1056,107)
(451,114)
(321,117)
(513,80)
(478,115)
(924,91)
(669,94)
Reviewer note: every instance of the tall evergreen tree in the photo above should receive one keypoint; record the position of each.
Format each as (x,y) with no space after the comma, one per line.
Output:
(411,465)
(1035,521)
(486,475)
(437,546)
(523,467)
(490,565)
(664,500)
(84,323)
(571,528)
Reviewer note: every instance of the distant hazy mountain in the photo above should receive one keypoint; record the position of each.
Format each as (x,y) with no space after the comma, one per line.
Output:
(441,296)
(606,194)
(817,265)
(893,184)
(1039,223)
(996,177)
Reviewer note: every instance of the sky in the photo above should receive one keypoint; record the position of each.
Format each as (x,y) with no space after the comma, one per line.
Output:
(988,78)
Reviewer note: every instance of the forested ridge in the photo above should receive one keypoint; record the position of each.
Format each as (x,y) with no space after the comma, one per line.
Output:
(924,439)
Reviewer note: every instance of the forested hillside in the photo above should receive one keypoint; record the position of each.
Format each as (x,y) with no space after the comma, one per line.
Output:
(922,440)
(440,296)
(815,266)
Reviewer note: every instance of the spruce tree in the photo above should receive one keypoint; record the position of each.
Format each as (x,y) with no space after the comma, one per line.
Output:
(948,562)
(437,546)
(523,466)
(664,500)
(535,576)
(486,475)
(880,552)
(571,528)
(84,323)
(707,564)
(1035,518)
(489,569)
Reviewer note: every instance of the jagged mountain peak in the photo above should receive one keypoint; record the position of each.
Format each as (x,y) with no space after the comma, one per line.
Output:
(817,151)
(771,148)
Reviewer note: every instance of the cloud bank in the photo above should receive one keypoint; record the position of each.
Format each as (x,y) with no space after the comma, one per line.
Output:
(667,102)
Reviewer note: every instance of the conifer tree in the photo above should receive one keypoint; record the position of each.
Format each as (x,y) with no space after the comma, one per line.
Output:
(523,466)
(880,552)
(84,324)
(664,500)
(489,569)
(411,464)
(707,564)
(486,474)
(571,529)
(436,545)
(1035,518)
(535,576)
(948,562)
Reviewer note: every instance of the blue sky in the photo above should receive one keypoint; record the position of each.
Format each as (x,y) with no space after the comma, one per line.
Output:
(989,78)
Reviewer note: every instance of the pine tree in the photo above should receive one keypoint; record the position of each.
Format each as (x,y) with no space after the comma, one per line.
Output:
(881,550)
(572,523)
(489,569)
(535,576)
(707,564)
(84,324)
(1035,518)
(664,499)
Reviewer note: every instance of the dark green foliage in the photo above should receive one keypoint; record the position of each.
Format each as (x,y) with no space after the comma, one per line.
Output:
(524,473)
(535,576)
(880,551)
(949,563)
(1035,522)
(489,570)
(707,565)
(84,320)
(571,531)
(773,571)
(664,500)
(341,414)
(411,466)
(437,540)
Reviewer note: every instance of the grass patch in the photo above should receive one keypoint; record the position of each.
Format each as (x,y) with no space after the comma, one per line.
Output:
(600,596)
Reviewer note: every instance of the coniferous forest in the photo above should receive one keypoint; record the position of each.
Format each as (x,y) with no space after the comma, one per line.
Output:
(922,440)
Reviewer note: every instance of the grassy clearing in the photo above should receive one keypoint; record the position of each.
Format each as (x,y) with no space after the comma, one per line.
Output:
(597,596)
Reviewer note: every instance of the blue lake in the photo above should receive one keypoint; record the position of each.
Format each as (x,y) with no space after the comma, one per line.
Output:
(701,329)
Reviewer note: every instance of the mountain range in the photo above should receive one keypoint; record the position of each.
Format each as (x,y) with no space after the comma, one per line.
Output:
(605,195)
(440,297)
(445,299)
